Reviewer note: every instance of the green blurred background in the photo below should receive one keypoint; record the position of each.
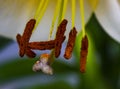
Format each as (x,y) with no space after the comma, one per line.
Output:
(102,72)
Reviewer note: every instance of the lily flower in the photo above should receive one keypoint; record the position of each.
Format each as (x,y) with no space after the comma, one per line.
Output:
(108,15)
(48,14)
(15,14)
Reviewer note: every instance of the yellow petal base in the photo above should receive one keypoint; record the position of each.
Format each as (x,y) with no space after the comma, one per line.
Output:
(93,4)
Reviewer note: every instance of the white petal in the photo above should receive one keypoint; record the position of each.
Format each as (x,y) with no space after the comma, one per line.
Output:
(108,14)
(42,31)
(13,16)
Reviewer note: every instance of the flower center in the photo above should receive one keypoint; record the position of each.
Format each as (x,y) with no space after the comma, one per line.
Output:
(55,45)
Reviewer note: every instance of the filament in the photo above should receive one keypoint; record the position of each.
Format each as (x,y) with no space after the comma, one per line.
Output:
(73,12)
(57,9)
(82,16)
(39,9)
(41,12)
(62,11)
(64,8)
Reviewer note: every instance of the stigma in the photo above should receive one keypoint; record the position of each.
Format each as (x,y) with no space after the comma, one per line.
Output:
(43,64)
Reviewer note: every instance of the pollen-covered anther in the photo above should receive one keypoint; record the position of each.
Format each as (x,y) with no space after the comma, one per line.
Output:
(42,45)
(70,44)
(83,54)
(24,39)
(60,37)
(43,65)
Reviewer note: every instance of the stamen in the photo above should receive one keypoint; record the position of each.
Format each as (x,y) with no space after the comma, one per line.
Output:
(84,42)
(70,44)
(56,13)
(82,17)
(61,7)
(57,9)
(72,34)
(83,54)
(73,2)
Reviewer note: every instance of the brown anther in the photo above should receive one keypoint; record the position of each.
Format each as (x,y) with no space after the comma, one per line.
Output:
(24,40)
(70,44)
(58,46)
(83,54)
(28,30)
(43,45)
(60,37)
(21,45)
(61,28)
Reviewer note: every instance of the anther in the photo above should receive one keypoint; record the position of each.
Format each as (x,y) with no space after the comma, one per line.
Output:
(24,40)
(83,54)
(70,44)
(43,45)
(60,37)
